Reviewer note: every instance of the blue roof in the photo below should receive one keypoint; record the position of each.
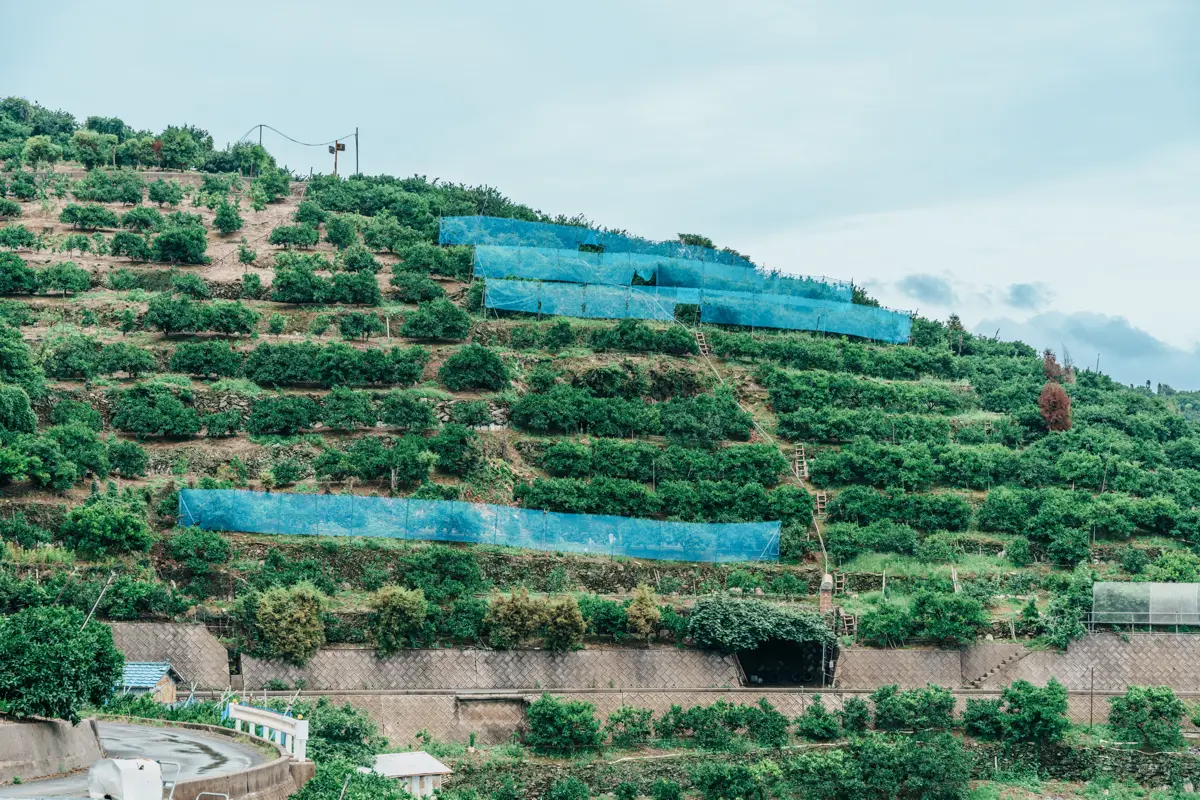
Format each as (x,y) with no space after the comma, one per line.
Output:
(144,674)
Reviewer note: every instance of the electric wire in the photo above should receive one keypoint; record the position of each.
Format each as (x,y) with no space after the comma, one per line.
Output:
(290,139)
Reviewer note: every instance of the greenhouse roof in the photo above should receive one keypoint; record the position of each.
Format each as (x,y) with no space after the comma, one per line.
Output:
(1145,603)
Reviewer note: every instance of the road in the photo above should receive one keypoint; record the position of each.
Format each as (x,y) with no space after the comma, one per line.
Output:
(199,754)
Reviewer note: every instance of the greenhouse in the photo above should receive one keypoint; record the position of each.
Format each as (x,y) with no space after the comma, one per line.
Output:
(1145,604)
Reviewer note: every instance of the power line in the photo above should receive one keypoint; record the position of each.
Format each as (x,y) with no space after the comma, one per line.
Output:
(290,139)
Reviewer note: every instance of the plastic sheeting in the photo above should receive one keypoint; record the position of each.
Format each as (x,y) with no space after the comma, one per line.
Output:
(722,308)
(619,269)
(438,520)
(1118,603)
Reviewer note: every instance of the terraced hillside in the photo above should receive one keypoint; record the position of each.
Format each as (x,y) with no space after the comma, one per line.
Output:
(171,328)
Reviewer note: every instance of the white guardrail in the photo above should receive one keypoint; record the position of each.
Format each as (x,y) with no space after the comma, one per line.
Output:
(288,732)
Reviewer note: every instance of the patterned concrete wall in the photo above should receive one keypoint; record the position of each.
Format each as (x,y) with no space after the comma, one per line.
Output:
(401,716)
(863,668)
(195,653)
(1140,659)
(342,669)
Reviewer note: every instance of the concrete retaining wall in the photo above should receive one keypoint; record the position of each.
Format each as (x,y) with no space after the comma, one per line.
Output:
(196,654)
(41,748)
(344,669)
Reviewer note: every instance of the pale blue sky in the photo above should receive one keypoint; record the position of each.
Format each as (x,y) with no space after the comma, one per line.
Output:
(1033,166)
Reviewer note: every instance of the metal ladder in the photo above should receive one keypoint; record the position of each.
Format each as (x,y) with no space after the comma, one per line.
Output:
(822,499)
(702,343)
(839,583)
(850,624)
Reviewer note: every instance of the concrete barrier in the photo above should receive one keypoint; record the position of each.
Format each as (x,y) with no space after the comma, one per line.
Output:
(44,747)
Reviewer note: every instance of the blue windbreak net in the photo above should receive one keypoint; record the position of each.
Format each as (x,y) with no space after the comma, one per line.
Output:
(619,269)
(799,313)
(721,308)
(447,521)
(590,301)
(519,233)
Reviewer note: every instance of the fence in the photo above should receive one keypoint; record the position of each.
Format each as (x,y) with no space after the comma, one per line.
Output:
(594,301)
(402,518)
(289,733)
(620,269)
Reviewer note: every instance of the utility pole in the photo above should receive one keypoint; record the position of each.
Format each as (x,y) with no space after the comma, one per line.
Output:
(334,148)
(356,150)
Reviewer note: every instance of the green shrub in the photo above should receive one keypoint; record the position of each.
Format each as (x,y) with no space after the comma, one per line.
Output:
(855,716)
(457,448)
(1149,716)
(1035,715)
(199,550)
(68,411)
(473,367)
(408,287)
(629,727)
(514,619)
(53,665)
(663,789)
(400,409)
(105,526)
(983,718)
(150,410)
(471,413)
(561,726)
(817,723)
(128,459)
(729,625)
(64,277)
(568,789)
(914,709)
(346,409)
(397,618)
(442,573)
(289,236)
(287,621)
(15,276)
(180,245)
(946,618)
(564,625)
(222,423)
(357,325)
(436,319)
(206,359)
(285,415)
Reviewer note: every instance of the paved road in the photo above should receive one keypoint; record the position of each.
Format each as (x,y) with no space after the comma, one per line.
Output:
(200,755)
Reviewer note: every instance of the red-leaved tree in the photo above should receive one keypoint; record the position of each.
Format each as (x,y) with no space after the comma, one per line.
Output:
(1055,405)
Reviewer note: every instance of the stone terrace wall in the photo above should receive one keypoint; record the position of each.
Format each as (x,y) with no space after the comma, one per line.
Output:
(345,669)
(196,654)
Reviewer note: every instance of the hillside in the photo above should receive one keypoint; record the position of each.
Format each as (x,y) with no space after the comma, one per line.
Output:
(326,343)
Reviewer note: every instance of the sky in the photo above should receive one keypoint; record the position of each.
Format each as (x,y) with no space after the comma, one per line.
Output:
(1031,166)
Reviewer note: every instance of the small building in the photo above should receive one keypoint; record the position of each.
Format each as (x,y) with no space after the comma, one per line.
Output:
(418,772)
(155,678)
